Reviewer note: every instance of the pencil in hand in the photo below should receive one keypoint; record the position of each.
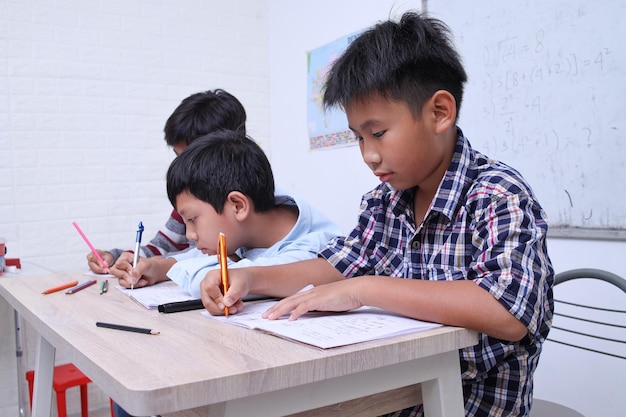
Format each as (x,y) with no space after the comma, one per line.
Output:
(136,254)
(101,261)
(222,256)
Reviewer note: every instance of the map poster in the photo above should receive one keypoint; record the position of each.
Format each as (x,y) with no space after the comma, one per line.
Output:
(327,128)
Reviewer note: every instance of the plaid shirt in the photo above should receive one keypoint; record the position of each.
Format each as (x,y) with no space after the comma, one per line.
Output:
(484,225)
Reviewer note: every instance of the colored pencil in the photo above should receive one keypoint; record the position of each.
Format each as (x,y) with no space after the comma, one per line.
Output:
(93,249)
(222,257)
(60,287)
(80,286)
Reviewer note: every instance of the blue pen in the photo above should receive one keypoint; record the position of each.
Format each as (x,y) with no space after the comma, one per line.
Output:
(137,244)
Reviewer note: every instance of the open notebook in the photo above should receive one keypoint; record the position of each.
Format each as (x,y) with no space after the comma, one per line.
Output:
(326,329)
(154,295)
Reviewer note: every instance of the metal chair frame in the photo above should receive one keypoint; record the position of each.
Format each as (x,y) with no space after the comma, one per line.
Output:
(590,273)
(544,408)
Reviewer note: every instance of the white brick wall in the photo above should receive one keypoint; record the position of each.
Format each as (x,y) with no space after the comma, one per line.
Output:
(85,89)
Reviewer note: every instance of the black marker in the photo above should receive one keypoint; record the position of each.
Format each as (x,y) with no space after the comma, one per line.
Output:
(181,306)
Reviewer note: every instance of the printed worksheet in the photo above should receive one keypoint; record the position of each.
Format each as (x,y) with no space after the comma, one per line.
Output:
(327,329)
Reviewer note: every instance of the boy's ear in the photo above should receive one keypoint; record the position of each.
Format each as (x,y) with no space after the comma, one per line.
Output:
(444,106)
(238,204)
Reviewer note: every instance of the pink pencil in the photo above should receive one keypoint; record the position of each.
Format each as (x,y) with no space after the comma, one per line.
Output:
(95,252)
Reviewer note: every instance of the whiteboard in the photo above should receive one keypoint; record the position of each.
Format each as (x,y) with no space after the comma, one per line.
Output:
(546,94)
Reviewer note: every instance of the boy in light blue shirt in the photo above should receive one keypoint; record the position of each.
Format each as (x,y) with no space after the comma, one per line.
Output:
(309,234)
(223,182)
(229,187)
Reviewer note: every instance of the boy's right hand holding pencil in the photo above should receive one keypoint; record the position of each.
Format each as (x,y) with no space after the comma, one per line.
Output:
(149,271)
(213,297)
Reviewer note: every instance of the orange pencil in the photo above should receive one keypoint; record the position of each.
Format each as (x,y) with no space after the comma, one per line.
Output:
(222,257)
(60,287)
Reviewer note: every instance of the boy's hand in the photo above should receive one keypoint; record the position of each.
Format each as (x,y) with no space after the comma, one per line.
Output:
(95,266)
(141,276)
(149,271)
(126,274)
(336,296)
(211,291)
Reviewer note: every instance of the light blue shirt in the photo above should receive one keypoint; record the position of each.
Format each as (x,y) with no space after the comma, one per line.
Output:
(308,236)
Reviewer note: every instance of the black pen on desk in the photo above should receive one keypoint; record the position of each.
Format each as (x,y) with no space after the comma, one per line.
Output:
(136,255)
(80,286)
(127,328)
(180,306)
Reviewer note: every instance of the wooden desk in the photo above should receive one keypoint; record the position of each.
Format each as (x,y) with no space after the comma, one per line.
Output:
(27,268)
(237,372)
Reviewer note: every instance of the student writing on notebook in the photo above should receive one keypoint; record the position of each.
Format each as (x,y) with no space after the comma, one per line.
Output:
(449,235)
(200,113)
(223,182)
(195,116)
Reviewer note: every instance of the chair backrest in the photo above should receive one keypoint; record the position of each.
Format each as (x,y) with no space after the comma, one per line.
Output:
(590,326)
(591,273)
(583,363)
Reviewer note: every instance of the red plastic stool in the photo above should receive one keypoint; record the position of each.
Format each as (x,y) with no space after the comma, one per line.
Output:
(65,376)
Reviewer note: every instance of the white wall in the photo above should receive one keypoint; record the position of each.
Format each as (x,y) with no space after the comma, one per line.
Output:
(85,89)
(334,180)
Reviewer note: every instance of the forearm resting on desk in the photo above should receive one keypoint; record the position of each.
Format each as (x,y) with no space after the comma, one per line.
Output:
(274,281)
